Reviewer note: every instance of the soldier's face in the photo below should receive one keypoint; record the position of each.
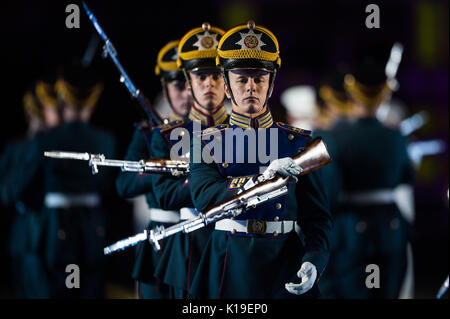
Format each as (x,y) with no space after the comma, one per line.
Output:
(180,98)
(249,90)
(208,88)
(51,116)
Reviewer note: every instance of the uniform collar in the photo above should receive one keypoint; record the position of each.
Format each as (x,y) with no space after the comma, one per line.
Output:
(174,117)
(217,117)
(369,119)
(261,120)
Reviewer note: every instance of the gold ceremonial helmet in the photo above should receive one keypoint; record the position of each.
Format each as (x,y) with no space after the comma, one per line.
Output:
(249,46)
(198,48)
(31,105)
(368,84)
(166,63)
(78,87)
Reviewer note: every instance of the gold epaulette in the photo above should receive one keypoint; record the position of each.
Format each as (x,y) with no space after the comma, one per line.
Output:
(212,130)
(294,129)
(171,125)
(143,125)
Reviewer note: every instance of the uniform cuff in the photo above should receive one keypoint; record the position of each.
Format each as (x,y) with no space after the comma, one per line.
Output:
(318,259)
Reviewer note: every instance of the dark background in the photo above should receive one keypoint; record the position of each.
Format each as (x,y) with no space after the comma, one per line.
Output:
(314,37)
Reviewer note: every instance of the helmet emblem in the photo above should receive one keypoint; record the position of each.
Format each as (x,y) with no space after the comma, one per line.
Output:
(250,40)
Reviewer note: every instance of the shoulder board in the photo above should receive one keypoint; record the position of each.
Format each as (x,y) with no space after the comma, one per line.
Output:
(171,125)
(212,130)
(294,129)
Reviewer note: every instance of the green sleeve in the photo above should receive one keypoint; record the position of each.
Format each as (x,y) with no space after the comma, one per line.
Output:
(132,184)
(32,171)
(171,193)
(314,219)
(208,186)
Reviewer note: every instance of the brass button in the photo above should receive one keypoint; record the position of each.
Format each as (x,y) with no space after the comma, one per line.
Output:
(233,231)
(276,218)
(278,206)
(225,165)
(182,133)
(290,137)
(229,176)
(275,233)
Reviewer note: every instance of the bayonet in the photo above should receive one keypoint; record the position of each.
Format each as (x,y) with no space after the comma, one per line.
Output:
(157,166)
(109,50)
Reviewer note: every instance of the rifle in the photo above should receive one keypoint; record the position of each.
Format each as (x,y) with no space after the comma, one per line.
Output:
(413,123)
(443,289)
(312,157)
(158,166)
(394,60)
(109,50)
(417,150)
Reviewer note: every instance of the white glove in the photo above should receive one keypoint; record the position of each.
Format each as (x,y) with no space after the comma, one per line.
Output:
(308,275)
(285,167)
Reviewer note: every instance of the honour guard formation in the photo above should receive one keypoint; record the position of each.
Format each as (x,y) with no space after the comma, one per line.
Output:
(241,203)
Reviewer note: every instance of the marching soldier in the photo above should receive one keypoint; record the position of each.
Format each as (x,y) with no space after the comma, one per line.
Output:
(259,253)
(372,161)
(74,221)
(130,184)
(339,110)
(197,53)
(41,112)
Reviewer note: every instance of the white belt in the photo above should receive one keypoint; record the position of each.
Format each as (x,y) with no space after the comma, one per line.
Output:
(379,196)
(188,213)
(252,226)
(66,200)
(164,216)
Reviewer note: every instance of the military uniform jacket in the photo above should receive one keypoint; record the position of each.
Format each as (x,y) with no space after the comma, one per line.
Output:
(241,265)
(26,230)
(74,231)
(370,157)
(182,251)
(133,184)
(330,172)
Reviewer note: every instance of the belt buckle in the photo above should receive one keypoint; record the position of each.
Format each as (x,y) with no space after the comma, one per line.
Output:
(256,227)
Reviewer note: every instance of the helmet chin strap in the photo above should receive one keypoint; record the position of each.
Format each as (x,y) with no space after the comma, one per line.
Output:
(227,83)
(188,80)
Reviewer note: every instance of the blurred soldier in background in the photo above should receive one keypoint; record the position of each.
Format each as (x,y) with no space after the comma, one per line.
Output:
(133,184)
(301,106)
(372,161)
(197,53)
(25,245)
(73,217)
(337,108)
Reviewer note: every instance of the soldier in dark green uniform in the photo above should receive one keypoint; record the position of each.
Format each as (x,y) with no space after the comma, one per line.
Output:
(40,106)
(197,54)
(339,110)
(372,160)
(133,184)
(257,254)
(74,221)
